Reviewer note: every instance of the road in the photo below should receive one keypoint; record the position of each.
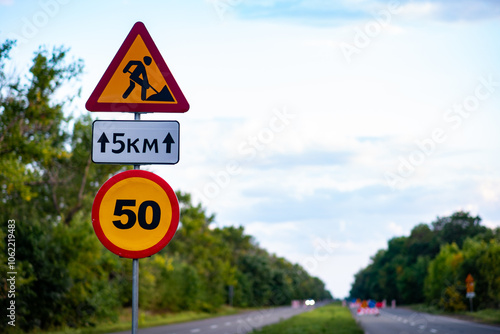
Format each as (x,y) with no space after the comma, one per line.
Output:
(232,324)
(404,321)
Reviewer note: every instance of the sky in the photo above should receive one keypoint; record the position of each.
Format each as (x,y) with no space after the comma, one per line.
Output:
(325,128)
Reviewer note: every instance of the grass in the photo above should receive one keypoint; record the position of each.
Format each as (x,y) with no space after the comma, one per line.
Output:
(146,319)
(489,316)
(326,319)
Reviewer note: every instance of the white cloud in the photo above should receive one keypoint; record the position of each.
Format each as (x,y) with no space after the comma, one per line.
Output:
(274,229)
(490,190)
(419,9)
(491,223)
(394,228)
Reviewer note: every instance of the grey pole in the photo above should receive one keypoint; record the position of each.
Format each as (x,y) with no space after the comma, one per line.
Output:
(135,295)
(135,274)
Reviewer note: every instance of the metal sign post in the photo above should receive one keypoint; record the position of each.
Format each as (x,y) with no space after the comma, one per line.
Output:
(135,273)
(137,80)
(135,295)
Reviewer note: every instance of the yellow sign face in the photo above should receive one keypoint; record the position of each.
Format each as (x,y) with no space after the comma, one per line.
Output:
(137,79)
(135,214)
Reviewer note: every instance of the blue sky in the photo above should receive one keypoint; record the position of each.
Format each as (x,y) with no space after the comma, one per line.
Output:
(325,128)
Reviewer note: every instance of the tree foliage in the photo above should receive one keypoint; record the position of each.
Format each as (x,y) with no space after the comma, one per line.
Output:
(65,277)
(47,184)
(431,264)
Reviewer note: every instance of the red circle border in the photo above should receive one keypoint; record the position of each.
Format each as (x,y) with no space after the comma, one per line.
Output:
(174,223)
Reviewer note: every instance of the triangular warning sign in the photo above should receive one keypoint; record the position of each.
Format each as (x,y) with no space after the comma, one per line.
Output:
(138,79)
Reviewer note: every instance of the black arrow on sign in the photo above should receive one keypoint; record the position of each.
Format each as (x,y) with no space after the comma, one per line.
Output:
(103,140)
(169,141)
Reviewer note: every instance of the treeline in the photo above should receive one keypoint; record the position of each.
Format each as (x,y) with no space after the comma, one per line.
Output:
(65,277)
(431,265)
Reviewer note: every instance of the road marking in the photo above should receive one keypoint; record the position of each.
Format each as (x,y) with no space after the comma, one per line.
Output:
(196,330)
(433,330)
(228,323)
(214,326)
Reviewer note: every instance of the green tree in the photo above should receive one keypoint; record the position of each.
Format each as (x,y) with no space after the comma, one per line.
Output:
(410,281)
(47,184)
(482,261)
(457,227)
(400,271)
(420,247)
(422,242)
(198,245)
(443,273)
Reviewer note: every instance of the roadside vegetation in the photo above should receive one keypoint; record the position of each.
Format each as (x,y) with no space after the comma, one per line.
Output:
(146,319)
(332,318)
(65,277)
(488,316)
(430,266)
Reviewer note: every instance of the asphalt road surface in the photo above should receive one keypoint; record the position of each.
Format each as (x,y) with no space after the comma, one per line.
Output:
(232,324)
(404,321)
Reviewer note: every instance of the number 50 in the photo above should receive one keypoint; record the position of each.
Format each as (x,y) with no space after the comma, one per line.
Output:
(141,214)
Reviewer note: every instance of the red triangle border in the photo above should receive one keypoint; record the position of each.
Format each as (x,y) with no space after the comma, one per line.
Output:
(181,106)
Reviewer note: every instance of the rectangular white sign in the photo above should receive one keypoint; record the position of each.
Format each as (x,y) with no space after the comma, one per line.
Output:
(135,142)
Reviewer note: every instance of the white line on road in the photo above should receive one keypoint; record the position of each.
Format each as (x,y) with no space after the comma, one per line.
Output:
(195,330)
(433,330)
(214,326)
(228,323)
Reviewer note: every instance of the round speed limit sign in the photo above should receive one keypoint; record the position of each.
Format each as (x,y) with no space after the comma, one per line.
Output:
(135,214)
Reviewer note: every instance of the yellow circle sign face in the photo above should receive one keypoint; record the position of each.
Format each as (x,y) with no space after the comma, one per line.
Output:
(135,214)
